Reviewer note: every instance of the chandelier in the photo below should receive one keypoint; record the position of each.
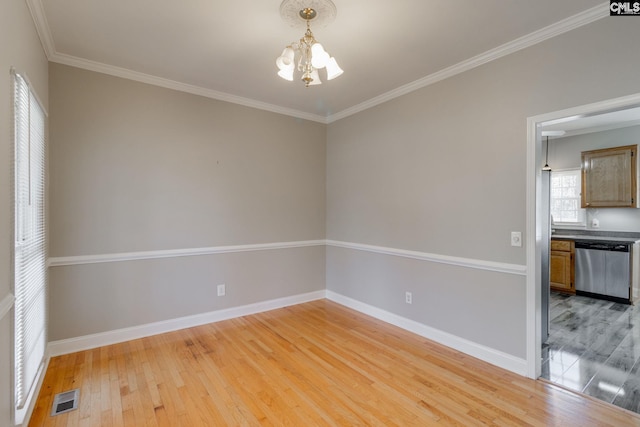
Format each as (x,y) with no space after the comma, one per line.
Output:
(311,55)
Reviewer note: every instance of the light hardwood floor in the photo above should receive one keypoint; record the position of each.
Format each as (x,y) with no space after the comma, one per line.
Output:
(312,364)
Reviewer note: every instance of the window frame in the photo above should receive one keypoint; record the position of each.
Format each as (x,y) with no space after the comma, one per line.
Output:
(581,212)
(29,249)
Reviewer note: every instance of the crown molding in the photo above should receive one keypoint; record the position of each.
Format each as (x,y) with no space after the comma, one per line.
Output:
(46,39)
(583,18)
(182,87)
(42,26)
(560,27)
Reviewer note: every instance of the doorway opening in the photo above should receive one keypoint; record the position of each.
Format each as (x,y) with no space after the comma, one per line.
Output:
(576,120)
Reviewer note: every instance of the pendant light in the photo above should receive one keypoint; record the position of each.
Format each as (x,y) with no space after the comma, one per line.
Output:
(549,133)
(546,166)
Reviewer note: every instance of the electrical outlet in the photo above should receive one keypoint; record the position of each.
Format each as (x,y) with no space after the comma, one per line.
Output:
(516,238)
(408,297)
(222,290)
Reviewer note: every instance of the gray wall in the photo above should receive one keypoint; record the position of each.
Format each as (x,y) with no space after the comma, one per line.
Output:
(20,48)
(443,171)
(564,153)
(135,167)
(86,299)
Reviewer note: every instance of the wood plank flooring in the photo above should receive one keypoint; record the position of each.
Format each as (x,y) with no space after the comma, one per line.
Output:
(312,364)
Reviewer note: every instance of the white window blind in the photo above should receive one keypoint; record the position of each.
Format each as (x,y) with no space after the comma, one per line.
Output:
(565,197)
(30,276)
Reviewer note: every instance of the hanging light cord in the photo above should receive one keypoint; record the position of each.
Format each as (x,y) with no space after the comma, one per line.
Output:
(546,166)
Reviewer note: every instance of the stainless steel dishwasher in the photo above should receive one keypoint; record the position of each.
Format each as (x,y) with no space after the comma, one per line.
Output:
(603,269)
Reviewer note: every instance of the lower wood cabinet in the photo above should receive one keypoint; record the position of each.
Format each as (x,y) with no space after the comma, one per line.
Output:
(562,272)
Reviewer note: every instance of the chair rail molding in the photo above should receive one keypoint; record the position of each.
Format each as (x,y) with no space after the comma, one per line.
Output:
(500,267)
(172,253)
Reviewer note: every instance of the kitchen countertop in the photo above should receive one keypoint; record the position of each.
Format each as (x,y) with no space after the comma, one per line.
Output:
(583,237)
(596,236)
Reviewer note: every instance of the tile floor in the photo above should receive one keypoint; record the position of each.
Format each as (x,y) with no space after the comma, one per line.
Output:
(594,348)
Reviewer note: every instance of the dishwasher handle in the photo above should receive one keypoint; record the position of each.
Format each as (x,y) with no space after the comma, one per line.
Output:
(602,246)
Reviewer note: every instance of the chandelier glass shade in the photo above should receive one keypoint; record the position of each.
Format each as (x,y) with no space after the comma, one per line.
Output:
(311,57)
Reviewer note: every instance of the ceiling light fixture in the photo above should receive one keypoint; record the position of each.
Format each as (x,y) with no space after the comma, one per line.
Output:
(311,54)
(546,166)
(549,133)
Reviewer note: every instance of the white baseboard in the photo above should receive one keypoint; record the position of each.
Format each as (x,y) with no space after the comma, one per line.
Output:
(489,355)
(72,345)
(495,357)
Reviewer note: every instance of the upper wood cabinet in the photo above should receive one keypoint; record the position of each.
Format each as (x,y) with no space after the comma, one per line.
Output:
(609,178)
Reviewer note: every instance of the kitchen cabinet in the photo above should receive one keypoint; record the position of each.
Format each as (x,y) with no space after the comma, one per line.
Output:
(609,177)
(562,271)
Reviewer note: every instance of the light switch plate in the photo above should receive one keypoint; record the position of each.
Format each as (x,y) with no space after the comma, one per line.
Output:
(516,238)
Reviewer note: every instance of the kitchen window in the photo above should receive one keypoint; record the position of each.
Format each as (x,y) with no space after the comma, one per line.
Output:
(565,198)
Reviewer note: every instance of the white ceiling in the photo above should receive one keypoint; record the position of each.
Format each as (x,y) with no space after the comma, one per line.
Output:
(595,123)
(227,49)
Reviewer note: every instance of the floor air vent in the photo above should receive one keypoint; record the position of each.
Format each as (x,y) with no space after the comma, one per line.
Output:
(65,402)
